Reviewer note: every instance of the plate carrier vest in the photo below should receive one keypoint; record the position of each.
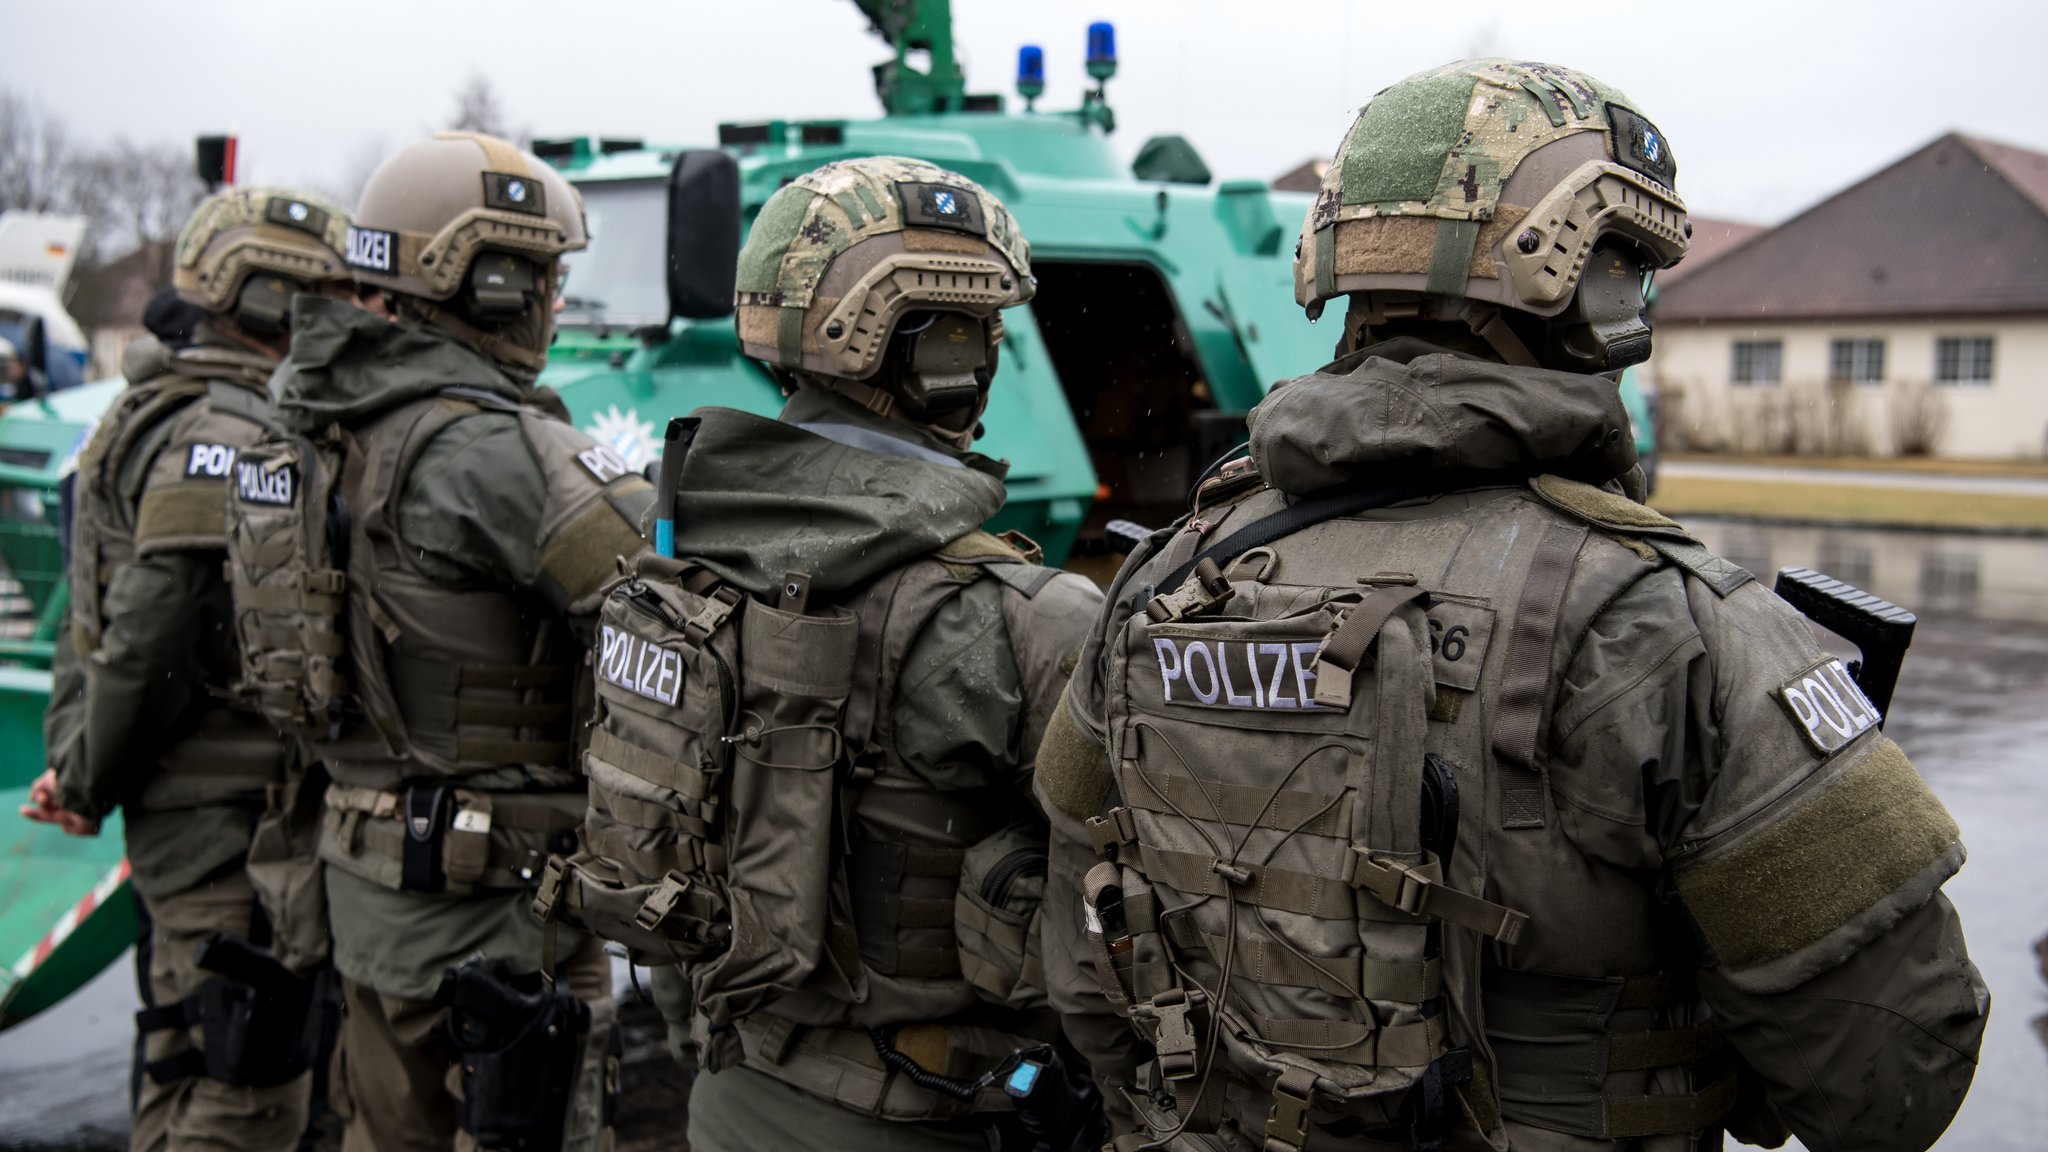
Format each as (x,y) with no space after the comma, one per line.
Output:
(1301,741)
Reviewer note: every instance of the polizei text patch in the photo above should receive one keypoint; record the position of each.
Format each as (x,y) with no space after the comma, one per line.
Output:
(1261,675)
(639,666)
(1828,706)
(255,484)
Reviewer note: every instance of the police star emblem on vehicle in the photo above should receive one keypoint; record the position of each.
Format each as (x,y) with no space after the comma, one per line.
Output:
(626,434)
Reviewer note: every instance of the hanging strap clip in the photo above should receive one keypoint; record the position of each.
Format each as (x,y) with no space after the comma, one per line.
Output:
(1204,589)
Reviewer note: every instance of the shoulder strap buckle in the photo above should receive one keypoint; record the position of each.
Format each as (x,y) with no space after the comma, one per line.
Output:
(1204,589)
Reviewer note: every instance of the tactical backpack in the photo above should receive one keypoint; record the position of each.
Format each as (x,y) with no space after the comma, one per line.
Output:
(1275,909)
(288,533)
(734,736)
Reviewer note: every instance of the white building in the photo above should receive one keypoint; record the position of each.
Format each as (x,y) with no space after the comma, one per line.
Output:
(1905,314)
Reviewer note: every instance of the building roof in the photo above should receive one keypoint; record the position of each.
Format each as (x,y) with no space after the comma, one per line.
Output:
(1711,240)
(1959,227)
(1306,176)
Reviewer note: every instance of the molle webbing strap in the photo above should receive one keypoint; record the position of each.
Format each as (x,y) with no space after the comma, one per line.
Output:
(876,872)
(1525,683)
(655,768)
(1195,873)
(1358,977)
(1450,261)
(1401,1046)
(1241,805)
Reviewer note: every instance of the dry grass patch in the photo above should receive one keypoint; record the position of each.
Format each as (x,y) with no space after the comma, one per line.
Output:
(1919,465)
(1682,496)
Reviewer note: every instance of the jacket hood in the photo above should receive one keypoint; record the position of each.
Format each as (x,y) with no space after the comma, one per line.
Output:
(1406,406)
(347,364)
(759,498)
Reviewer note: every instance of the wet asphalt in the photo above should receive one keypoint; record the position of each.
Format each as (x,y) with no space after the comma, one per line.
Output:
(1972,711)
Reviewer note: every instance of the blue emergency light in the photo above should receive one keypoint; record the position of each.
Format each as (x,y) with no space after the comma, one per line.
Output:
(1030,72)
(1102,50)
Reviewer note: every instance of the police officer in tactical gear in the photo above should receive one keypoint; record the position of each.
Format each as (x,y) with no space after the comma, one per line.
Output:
(445,535)
(141,716)
(1422,789)
(838,870)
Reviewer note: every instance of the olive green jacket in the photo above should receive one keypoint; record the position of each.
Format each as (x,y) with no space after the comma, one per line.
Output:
(473,514)
(131,714)
(1687,818)
(861,496)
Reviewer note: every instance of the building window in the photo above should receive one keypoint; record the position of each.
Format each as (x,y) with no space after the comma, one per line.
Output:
(1856,361)
(1759,362)
(1962,360)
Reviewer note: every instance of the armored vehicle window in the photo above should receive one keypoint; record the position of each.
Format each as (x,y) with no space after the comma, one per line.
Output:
(619,282)
(1128,367)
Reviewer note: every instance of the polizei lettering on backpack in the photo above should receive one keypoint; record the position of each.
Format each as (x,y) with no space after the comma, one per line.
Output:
(1828,706)
(640,666)
(1259,675)
(255,484)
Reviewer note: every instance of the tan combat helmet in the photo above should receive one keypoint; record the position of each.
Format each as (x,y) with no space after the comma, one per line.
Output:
(839,257)
(431,209)
(1488,184)
(467,232)
(247,251)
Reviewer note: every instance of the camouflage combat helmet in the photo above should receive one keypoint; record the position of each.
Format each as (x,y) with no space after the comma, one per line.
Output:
(840,255)
(1489,181)
(246,251)
(431,208)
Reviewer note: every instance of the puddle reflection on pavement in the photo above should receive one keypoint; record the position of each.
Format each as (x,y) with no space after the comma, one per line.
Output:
(1972,711)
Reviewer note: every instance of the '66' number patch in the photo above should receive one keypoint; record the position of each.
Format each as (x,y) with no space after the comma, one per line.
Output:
(1828,706)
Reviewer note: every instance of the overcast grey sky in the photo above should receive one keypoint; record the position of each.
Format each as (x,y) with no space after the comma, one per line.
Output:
(1769,105)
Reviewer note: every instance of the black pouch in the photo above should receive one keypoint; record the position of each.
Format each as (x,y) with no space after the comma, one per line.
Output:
(520,1044)
(426,822)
